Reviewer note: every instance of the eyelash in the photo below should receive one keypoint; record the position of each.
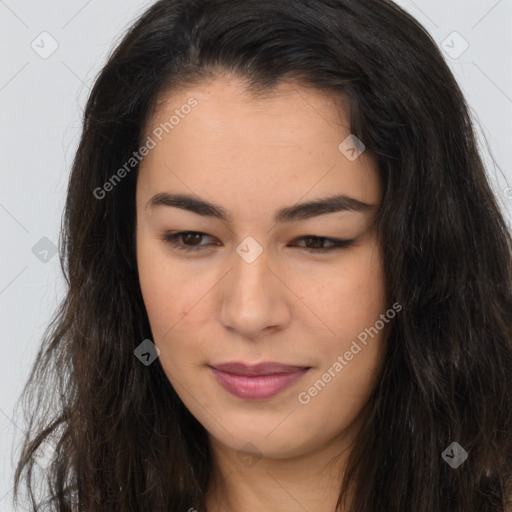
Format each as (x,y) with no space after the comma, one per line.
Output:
(337,244)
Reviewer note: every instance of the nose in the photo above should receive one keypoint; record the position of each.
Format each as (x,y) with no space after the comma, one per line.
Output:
(255,299)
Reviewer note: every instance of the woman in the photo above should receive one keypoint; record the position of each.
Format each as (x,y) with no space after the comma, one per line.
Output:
(342,341)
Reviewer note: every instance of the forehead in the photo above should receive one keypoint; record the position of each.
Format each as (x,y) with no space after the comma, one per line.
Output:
(237,148)
(228,108)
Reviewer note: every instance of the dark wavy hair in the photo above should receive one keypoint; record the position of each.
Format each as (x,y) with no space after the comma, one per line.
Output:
(122,438)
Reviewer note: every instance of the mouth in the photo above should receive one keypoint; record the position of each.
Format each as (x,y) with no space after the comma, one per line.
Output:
(257,382)
(265,368)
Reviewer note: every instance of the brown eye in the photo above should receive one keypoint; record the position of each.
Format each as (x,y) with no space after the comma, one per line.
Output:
(190,240)
(318,241)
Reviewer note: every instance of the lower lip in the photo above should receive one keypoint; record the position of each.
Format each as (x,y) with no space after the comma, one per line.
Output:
(257,387)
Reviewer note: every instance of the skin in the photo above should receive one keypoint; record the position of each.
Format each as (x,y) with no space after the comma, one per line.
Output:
(254,156)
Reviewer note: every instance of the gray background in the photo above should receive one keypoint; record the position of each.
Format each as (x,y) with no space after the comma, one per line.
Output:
(42,98)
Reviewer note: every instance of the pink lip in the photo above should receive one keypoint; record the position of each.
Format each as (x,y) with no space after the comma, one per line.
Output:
(257,382)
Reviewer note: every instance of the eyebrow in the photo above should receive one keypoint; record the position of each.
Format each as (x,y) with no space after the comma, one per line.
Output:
(302,211)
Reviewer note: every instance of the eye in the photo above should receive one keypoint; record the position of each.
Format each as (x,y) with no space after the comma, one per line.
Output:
(193,238)
(187,236)
(335,243)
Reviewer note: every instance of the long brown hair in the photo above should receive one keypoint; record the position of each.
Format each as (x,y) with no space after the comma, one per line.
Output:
(123,440)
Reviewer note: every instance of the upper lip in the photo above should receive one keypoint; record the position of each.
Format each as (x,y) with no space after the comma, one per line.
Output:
(265,368)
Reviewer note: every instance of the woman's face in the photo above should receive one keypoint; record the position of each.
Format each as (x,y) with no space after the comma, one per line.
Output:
(252,289)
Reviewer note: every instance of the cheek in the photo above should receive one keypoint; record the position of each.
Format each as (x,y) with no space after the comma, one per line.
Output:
(176,304)
(158,283)
(351,306)
(167,314)
(353,297)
